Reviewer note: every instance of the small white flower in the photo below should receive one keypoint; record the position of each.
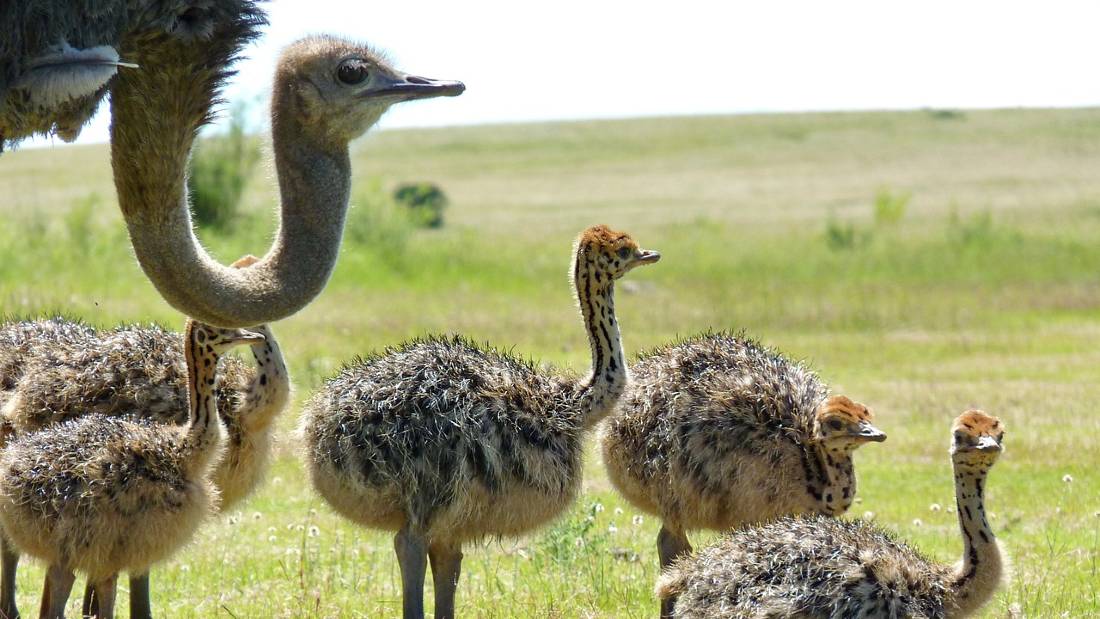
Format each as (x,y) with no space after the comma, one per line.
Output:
(271,529)
(299,527)
(579,542)
(312,513)
(935,507)
(233,520)
(992,516)
(868,515)
(314,531)
(637,520)
(271,539)
(257,515)
(857,500)
(917,522)
(1067,478)
(950,510)
(598,507)
(278,481)
(618,511)
(612,529)
(185,568)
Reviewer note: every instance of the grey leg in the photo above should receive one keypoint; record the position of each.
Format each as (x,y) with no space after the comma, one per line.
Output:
(412,553)
(446,567)
(671,545)
(90,607)
(59,584)
(105,597)
(9,561)
(140,603)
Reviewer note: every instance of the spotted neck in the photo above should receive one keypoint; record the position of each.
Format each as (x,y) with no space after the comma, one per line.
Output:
(600,391)
(835,484)
(269,391)
(203,430)
(980,571)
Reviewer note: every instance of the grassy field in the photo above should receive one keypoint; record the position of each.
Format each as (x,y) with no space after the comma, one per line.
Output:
(923,262)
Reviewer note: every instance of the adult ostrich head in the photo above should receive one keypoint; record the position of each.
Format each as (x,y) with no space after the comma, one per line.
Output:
(184,49)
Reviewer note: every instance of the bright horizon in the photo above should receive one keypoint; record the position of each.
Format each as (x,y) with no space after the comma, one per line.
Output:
(589,60)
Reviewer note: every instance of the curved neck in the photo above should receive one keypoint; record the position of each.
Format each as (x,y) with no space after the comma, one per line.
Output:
(269,391)
(156,113)
(202,369)
(835,486)
(601,389)
(980,571)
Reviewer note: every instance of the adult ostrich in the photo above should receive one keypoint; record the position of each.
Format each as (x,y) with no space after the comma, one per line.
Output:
(57,60)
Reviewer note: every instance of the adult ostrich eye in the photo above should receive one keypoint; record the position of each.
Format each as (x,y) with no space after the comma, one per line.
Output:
(352,72)
(625,252)
(835,424)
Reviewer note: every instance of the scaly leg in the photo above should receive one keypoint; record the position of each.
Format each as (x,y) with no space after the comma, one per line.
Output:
(9,561)
(105,597)
(141,606)
(412,553)
(90,607)
(59,584)
(446,567)
(672,544)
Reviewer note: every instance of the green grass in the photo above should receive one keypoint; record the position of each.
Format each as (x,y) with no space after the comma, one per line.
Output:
(979,290)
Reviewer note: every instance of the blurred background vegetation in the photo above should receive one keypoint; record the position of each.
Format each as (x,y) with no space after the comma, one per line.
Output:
(924,262)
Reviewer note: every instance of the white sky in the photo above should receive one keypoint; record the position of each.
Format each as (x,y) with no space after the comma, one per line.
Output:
(608,58)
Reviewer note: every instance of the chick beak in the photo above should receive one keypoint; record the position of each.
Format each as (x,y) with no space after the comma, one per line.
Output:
(870,433)
(987,444)
(646,256)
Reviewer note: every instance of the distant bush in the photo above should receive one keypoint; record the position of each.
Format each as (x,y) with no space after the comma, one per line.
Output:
(424,201)
(890,207)
(220,169)
(844,236)
(976,230)
(79,223)
(944,114)
(376,221)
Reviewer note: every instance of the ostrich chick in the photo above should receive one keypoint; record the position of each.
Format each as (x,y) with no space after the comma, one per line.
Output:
(717,431)
(102,494)
(23,339)
(67,370)
(445,442)
(828,568)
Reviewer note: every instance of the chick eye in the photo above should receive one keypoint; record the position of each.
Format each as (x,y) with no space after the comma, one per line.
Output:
(625,252)
(352,72)
(835,424)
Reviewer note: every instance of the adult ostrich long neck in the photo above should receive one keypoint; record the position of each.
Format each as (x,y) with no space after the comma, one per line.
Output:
(600,257)
(327,92)
(977,443)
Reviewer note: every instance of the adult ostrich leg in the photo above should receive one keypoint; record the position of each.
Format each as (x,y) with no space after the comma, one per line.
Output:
(156,116)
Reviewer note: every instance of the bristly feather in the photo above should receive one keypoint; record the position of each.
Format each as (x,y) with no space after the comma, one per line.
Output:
(814,567)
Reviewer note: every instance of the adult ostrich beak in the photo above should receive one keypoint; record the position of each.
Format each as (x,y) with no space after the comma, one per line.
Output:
(409,87)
